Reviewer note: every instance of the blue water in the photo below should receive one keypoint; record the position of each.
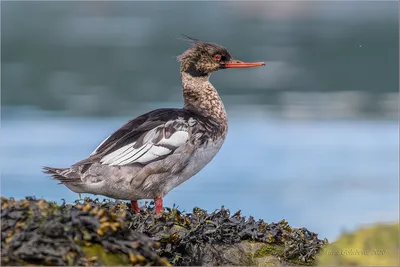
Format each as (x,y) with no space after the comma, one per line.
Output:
(328,176)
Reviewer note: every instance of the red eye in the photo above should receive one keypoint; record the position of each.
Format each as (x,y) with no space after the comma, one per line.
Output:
(217,57)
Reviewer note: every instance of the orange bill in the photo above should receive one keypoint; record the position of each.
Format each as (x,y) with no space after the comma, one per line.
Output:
(241,64)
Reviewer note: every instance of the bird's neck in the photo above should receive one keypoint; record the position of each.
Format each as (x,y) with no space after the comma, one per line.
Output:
(201,97)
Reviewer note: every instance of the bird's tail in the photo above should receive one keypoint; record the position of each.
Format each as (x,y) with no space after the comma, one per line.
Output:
(64,175)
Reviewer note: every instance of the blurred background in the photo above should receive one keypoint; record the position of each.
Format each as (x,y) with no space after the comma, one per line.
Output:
(313,136)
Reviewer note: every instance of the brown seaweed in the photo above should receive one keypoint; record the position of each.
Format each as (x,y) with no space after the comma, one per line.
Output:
(40,232)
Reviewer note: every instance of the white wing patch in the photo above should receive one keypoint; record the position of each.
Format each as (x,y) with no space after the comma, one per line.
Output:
(149,151)
(177,139)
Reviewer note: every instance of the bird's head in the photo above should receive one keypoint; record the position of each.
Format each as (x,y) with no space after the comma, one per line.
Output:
(203,58)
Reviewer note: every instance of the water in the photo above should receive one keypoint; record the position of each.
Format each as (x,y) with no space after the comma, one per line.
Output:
(328,176)
(86,56)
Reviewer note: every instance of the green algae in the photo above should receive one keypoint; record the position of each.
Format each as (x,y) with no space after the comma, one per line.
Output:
(106,258)
(268,250)
(279,252)
(269,255)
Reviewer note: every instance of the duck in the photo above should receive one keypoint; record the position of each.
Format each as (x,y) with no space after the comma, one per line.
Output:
(152,154)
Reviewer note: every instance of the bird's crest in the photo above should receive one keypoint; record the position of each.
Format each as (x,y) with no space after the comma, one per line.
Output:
(198,45)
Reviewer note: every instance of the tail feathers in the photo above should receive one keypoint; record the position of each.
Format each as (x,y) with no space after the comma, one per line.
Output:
(64,175)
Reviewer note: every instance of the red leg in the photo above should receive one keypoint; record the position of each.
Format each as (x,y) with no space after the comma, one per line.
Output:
(159,204)
(135,206)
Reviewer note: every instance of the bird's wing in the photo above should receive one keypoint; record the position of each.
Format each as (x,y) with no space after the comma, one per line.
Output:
(150,137)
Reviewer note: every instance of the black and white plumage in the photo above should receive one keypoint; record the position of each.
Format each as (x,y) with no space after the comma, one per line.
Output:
(147,156)
(155,152)
(155,135)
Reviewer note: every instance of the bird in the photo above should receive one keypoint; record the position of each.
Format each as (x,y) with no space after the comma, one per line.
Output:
(150,155)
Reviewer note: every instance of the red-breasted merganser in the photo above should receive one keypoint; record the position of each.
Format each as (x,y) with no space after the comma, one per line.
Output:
(157,151)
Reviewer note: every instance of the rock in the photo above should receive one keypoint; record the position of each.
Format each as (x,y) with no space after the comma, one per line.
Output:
(109,233)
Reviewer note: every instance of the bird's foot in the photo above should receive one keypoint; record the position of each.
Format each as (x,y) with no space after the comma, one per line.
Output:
(135,206)
(159,205)
(157,201)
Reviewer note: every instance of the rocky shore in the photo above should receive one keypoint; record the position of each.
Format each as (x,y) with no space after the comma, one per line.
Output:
(89,232)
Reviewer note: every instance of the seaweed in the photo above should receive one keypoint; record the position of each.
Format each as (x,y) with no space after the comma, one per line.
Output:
(42,233)
(184,237)
(93,232)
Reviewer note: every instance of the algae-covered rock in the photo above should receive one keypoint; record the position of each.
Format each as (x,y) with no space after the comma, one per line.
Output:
(43,233)
(109,233)
(211,238)
(373,246)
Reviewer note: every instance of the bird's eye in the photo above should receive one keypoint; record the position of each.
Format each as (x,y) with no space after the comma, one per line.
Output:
(217,57)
